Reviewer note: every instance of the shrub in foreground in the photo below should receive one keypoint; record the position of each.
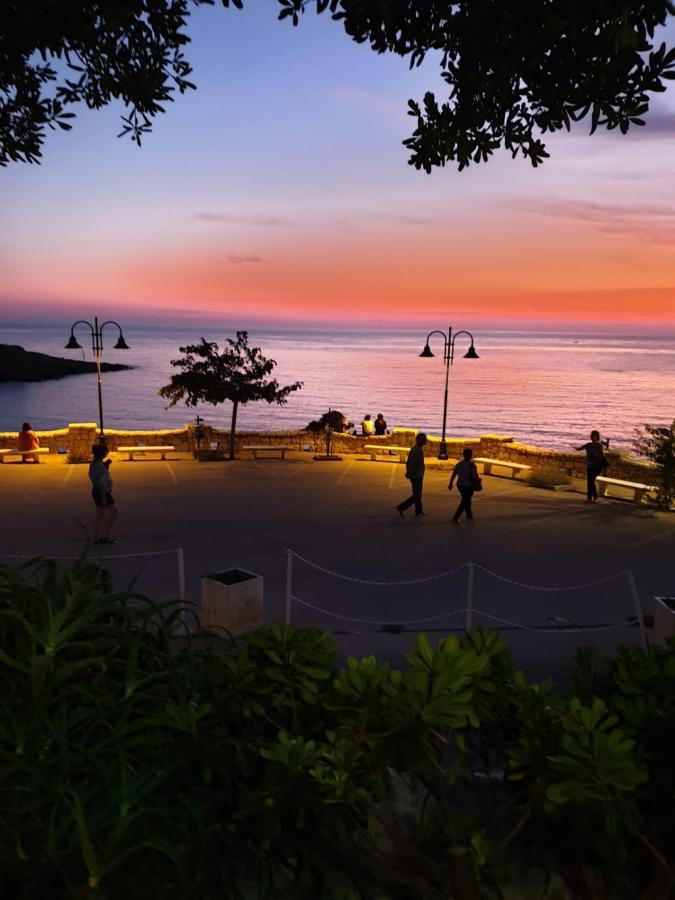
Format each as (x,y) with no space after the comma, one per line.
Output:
(262,770)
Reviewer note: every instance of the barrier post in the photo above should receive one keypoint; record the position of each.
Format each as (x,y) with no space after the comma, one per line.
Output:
(637,603)
(289,585)
(469,598)
(180,559)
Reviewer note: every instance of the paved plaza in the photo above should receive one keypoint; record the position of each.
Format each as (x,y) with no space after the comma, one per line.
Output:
(341,516)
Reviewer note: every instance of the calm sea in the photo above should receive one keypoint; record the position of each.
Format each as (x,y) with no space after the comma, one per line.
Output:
(549,389)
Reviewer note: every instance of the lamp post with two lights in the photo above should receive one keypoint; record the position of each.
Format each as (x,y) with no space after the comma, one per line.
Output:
(448,357)
(97,348)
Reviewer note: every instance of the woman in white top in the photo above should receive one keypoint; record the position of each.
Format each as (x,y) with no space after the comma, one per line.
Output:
(466,474)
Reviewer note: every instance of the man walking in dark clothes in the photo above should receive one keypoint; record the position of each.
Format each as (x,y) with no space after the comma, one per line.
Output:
(466,474)
(414,472)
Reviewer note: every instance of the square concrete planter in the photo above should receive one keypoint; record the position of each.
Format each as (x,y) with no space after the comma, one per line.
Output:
(664,620)
(231,602)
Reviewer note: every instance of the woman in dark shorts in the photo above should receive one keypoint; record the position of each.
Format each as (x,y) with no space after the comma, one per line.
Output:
(106,508)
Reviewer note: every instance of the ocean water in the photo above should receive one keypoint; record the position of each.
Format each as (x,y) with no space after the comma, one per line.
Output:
(548,389)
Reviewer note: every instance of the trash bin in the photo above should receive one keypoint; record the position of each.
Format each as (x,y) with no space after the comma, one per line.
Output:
(664,620)
(231,602)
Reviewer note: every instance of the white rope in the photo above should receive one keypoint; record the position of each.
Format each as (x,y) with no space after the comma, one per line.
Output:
(328,612)
(542,630)
(115,556)
(534,587)
(563,630)
(520,584)
(376,583)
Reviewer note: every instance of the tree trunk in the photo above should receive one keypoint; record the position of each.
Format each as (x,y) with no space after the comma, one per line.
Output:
(233,428)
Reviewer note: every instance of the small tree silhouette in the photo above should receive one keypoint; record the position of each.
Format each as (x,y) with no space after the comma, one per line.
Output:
(238,373)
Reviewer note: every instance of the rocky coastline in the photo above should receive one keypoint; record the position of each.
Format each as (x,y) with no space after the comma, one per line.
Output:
(17,364)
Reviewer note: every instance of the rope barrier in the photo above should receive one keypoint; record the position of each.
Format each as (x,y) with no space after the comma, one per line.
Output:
(115,556)
(520,584)
(534,587)
(328,612)
(581,629)
(456,612)
(342,577)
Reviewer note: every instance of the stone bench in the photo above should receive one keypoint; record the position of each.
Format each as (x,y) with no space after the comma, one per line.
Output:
(489,463)
(255,449)
(374,449)
(638,489)
(23,453)
(141,450)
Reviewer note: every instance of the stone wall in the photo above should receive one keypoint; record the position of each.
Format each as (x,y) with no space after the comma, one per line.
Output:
(77,438)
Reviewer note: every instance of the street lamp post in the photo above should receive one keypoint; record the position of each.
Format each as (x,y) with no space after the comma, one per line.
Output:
(97,348)
(448,357)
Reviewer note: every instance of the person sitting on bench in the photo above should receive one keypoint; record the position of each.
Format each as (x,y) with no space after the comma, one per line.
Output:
(26,441)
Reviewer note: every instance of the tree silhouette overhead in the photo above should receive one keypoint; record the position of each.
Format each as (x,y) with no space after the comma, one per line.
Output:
(514,70)
(238,373)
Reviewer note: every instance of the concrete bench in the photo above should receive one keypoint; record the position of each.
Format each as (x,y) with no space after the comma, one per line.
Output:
(638,489)
(135,451)
(489,463)
(255,449)
(23,453)
(374,449)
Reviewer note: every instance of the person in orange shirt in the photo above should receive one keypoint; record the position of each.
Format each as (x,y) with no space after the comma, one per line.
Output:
(28,440)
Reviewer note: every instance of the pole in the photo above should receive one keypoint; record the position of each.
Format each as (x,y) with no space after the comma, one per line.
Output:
(180,559)
(289,585)
(443,451)
(469,598)
(97,342)
(637,604)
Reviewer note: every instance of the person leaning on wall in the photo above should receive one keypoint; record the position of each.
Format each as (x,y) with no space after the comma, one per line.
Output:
(596,463)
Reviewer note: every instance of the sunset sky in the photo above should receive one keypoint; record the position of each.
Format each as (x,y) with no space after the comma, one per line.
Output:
(280,190)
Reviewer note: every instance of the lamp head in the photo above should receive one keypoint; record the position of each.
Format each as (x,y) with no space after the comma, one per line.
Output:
(471,353)
(426,353)
(121,344)
(73,344)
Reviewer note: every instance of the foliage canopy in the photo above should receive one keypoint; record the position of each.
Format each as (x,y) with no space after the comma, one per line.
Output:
(513,70)
(657,444)
(239,374)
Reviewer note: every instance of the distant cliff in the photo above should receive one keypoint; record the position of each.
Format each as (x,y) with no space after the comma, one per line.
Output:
(17,364)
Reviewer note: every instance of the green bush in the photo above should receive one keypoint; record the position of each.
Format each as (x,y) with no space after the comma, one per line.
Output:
(548,478)
(132,769)
(657,444)
(333,419)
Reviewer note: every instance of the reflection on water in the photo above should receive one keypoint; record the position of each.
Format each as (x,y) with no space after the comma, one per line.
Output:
(548,389)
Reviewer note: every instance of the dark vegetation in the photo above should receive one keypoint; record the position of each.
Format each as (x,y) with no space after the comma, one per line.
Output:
(17,364)
(332,419)
(238,374)
(657,444)
(133,765)
(514,71)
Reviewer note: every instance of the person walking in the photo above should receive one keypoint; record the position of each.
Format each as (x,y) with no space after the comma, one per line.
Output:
(596,463)
(26,441)
(106,508)
(414,472)
(468,481)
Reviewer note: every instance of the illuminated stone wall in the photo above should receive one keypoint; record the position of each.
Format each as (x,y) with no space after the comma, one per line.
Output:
(77,439)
